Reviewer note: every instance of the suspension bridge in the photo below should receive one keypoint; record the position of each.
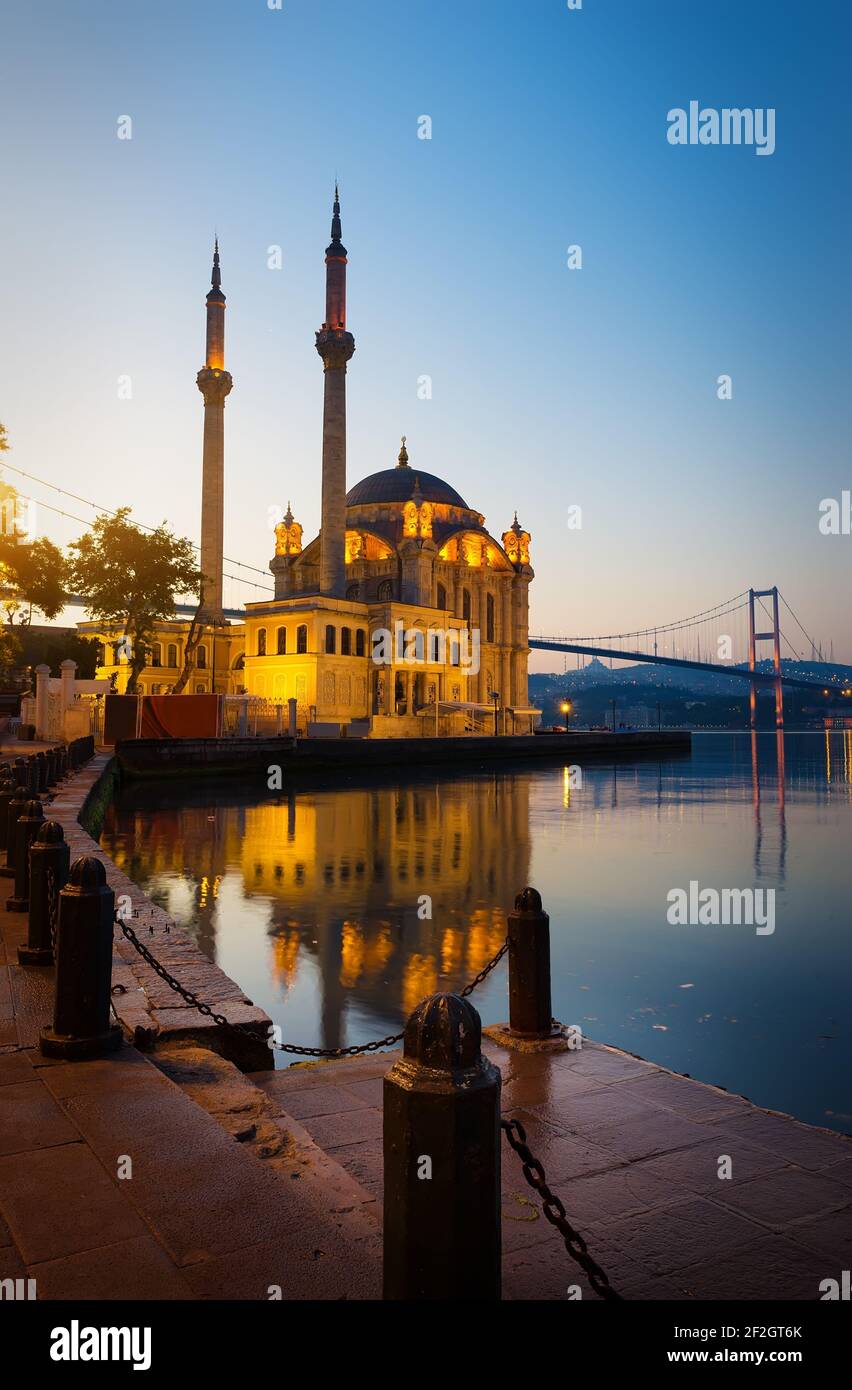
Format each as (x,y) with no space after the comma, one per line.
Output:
(762,623)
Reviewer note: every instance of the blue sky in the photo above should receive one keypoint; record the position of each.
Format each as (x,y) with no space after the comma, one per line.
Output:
(552,388)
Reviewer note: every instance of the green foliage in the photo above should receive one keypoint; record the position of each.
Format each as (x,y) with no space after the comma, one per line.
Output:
(131,578)
(53,645)
(32,577)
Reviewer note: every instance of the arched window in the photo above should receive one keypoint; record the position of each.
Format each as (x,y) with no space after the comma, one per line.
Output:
(201,658)
(466,605)
(302,638)
(156,654)
(352,591)
(434,646)
(171,656)
(261,641)
(419,645)
(453,643)
(360,641)
(440,596)
(282,641)
(330,638)
(346,641)
(489,618)
(385,591)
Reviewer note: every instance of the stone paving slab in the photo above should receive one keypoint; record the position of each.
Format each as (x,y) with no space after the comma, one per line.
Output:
(634,1151)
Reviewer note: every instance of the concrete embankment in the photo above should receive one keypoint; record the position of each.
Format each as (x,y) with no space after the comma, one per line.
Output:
(235,756)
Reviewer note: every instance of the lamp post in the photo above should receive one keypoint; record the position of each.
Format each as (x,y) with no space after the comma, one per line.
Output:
(495,696)
(566,710)
(613,716)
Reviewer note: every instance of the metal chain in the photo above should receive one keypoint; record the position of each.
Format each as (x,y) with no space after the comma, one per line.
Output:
(486,970)
(555,1211)
(52,909)
(290,1048)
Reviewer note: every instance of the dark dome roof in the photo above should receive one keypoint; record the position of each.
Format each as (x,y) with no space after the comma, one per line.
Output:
(397,485)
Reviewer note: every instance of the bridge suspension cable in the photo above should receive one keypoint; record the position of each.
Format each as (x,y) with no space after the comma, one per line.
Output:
(717,611)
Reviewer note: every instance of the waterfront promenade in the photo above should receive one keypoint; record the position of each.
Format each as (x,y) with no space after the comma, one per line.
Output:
(241,1184)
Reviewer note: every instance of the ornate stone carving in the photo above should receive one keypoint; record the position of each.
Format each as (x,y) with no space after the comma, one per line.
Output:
(214,385)
(335,346)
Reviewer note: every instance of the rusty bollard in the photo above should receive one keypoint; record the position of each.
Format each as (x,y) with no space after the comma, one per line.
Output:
(26,828)
(50,759)
(61,761)
(530,1011)
(15,808)
(50,858)
(442,1159)
(81,1026)
(26,774)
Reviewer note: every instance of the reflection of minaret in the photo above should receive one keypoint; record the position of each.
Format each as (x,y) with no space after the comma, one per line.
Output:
(335,346)
(214,383)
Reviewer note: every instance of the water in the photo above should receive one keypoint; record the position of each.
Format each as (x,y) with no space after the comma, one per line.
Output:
(315,901)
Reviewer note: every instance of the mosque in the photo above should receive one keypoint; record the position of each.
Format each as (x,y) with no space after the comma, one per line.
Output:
(403,617)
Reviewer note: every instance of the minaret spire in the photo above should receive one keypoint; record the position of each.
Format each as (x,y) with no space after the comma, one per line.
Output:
(214,383)
(335,346)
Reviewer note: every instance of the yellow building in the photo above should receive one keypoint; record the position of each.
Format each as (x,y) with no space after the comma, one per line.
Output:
(403,617)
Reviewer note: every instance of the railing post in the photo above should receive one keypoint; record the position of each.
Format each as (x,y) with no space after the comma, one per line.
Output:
(442,1159)
(27,827)
(81,1026)
(530,1011)
(18,801)
(50,858)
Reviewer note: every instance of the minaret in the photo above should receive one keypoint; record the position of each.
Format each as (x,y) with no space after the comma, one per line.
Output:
(335,346)
(214,383)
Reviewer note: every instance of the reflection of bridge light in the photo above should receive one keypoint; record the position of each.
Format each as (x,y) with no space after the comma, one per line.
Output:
(566,788)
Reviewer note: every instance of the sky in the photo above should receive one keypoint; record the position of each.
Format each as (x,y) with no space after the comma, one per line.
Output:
(552,388)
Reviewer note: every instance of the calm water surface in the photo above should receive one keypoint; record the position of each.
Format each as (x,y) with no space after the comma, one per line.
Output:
(309,898)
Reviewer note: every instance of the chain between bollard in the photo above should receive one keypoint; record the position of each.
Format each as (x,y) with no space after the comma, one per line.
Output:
(291,1048)
(555,1211)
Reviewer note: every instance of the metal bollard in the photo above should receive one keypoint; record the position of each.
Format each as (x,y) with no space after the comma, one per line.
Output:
(81,1026)
(50,759)
(530,1011)
(26,775)
(25,830)
(41,764)
(7,791)
(15,809)
(442,1159)
(62,761)
(50,858)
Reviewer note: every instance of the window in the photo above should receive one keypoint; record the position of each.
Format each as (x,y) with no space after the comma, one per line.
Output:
(419,645)
(352,591)
(199,689)
(360,641)
(466,605)
(100,654)
(302,638)
(330,639)
(282,641)
(156,689)
(454,652)
(346,641)
(489,618)
(156,654)
(434,646)
(385,590)
(171,656)
(441,596)
(201,658)
(261,641)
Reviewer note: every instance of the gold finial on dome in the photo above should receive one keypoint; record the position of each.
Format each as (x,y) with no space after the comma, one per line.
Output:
(402,461)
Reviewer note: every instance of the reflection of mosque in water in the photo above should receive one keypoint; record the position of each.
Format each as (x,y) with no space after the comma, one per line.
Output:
(346,876)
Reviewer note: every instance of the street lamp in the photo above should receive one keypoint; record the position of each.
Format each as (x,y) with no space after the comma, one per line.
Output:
(495,696)
(566,710)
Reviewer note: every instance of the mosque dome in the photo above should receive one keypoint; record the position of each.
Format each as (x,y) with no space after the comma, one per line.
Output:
(398,484)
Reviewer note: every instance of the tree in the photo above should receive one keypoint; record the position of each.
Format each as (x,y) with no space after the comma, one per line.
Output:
(32,577)
(129,578)
(193,641)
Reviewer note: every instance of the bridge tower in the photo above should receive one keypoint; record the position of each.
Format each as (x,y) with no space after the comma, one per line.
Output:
(775,638)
